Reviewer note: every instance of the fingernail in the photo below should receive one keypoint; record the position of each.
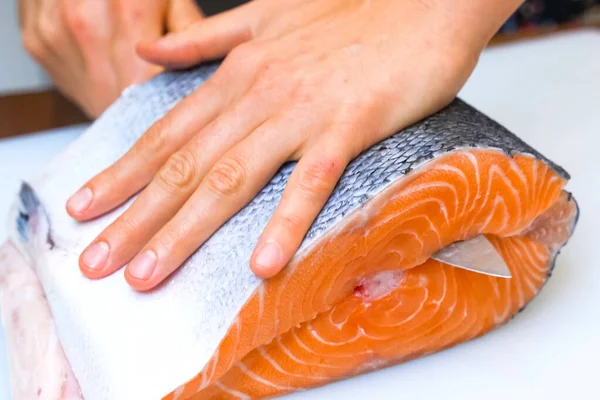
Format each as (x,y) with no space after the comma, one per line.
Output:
(95,256)
(269,256)
(143,265)
(81,200)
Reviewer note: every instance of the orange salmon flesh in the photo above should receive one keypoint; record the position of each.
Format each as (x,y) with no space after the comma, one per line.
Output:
(368,296)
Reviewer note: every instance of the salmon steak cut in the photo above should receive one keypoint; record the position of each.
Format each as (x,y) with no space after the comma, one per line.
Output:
(362,293)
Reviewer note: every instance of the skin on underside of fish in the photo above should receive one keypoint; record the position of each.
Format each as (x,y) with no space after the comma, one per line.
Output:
(38,366)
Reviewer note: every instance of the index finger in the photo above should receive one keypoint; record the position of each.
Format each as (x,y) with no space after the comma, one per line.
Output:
(137,167)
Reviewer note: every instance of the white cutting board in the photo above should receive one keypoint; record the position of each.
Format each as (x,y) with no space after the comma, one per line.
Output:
(548,92)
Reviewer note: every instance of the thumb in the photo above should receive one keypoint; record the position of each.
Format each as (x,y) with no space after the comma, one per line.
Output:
(132,21)
(207,39)
(181,14)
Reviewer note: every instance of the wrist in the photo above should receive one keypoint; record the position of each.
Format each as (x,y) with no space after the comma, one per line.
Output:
(472,23)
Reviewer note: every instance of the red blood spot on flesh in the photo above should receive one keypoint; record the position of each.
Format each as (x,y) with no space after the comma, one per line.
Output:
(378,285)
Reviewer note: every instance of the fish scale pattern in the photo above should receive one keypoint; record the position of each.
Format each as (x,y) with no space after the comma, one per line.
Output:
(384,163)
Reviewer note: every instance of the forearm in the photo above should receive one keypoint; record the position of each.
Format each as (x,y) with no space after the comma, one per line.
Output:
(473,22)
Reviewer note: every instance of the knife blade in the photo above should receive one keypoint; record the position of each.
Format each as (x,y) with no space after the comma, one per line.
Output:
(477,255)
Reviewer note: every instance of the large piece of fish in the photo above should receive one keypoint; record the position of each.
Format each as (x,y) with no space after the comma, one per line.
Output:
(361,293)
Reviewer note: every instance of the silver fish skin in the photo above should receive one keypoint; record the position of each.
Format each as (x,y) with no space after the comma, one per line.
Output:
(127,345)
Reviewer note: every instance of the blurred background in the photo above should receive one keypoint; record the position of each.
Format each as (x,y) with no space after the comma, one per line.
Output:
(22,82)
(550,13)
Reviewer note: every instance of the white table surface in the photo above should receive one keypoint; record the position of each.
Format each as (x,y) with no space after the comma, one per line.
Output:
(548,92)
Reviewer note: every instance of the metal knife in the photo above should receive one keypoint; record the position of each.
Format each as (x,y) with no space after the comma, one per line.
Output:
(477,255)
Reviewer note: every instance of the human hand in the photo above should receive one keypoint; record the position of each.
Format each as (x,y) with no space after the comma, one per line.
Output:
(88,46)
(313,81)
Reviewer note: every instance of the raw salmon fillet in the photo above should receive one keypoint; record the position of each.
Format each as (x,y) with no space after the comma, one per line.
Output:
(362,292)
